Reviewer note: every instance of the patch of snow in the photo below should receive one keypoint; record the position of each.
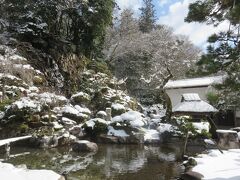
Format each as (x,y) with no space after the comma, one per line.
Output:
(200,126)
(26,102)
(209,141)
(16,58)
(194,106)
(151,134)
(8,172)
(6,141)
(91,122)
(2,114)
(83,110)
(9,76)
(57,126)
(225,131)
(136,119)
(103,113)
(70,110)
(191,97)
(164,127)
(118,106)
(219,166)
(119,133)
(194,82)
(67,121)
(34,89)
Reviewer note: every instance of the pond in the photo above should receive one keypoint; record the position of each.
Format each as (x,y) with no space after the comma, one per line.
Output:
(111,162)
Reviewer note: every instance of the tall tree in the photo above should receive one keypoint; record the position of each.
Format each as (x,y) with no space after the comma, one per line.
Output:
(147,18)
(147,60)
(223,53)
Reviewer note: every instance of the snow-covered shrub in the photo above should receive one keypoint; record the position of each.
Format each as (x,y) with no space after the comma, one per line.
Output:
(131,118)
(117,109)
(186,125)
(96,126)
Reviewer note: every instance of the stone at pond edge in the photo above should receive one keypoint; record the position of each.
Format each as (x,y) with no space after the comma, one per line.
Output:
(84,146)
(191,175)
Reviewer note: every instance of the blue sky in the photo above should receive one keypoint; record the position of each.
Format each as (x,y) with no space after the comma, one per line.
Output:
(172,13)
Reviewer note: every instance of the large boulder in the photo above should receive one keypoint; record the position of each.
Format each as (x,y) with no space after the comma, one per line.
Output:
(74,113)
(81,98)
(101,114)
(228,139)
(84,146)
(191,175)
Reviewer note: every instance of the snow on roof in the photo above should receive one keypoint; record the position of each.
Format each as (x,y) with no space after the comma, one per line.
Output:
(194,82)
(194,107)
(190,97)
(191,102)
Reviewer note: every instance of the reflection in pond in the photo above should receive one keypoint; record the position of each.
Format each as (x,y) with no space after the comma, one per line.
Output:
(118,162)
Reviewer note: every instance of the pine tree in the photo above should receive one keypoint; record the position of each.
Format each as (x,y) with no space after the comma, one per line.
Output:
(223,53)
(147,19)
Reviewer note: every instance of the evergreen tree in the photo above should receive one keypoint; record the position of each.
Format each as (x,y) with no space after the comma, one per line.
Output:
(147,18)
(223,53)
(80,22)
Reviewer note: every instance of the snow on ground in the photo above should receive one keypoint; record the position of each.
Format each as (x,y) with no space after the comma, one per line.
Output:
(9,172)
(114,132)
(217,166)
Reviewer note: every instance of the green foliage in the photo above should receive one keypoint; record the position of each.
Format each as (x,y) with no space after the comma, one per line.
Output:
(23,128)
(82,23)
(99,66)
(213,98)
(5,103)
(185,125)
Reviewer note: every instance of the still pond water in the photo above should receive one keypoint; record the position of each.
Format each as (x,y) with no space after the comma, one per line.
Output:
(111,162)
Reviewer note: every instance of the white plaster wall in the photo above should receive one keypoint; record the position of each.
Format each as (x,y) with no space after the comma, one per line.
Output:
(175,95)
(238,113)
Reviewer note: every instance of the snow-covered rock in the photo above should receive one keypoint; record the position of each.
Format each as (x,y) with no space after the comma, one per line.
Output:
(68,122)
(81,98)
(118,133)
(133,118)
(117,109)
(56,125)
(164,127)
(74,114)
(101,114)
(84,146)
(91,123)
